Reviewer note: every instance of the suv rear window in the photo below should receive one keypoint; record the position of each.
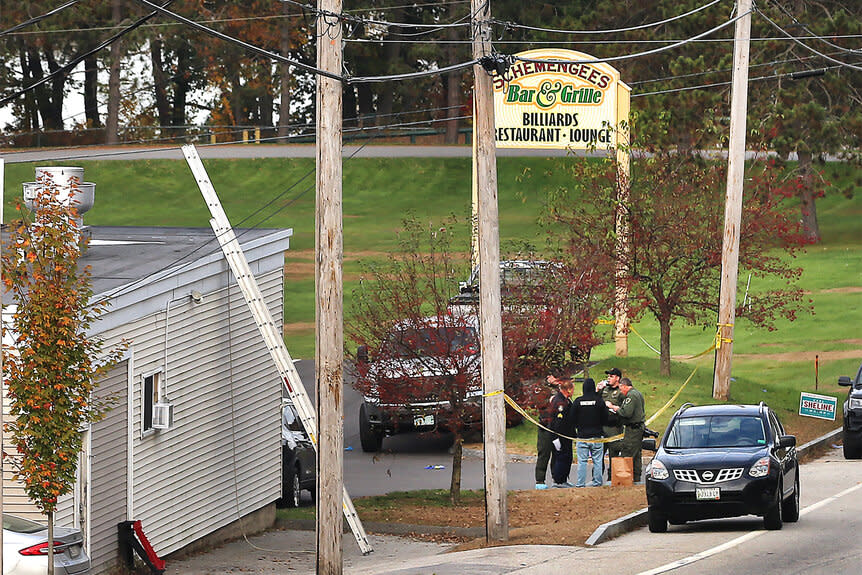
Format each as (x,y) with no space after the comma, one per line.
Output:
(432,342)
(716,431)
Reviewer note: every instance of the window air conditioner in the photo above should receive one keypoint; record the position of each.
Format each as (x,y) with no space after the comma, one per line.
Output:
(163,415)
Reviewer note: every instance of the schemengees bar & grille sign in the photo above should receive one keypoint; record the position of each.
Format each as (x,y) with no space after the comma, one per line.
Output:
(554,99)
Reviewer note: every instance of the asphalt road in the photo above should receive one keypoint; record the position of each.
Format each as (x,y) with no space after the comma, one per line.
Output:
(401,465)
(823,542)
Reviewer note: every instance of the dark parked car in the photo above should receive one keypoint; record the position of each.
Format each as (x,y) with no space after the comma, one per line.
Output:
(723,461)
(853,416)
(298,459)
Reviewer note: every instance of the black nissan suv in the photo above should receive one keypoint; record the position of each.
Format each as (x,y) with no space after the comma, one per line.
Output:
(723,461)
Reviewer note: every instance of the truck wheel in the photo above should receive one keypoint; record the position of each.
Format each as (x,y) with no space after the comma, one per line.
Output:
(370,439)
(852,445)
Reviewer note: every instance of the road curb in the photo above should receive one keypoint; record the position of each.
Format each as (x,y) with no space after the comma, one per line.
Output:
(387,528)
(638,519)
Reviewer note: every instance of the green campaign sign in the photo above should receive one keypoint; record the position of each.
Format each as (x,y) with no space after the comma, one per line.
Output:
(820,406)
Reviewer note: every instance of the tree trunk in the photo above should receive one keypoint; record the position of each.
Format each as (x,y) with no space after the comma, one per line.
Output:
(112,120)
(181,90)
(392,51)
(453,85)
(91,92)
(806,199)
(159,89)
(664,361)
(50,543)
(455,485)
(284,73)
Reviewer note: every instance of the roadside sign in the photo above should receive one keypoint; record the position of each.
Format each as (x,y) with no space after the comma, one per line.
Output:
(553,98)
(819,406)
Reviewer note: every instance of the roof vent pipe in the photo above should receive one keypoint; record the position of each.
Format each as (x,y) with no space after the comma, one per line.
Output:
(71,188)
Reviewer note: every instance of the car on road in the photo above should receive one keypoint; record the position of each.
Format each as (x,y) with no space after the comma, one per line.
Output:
(25,548)
(723,461)
(298,459)
(852,415)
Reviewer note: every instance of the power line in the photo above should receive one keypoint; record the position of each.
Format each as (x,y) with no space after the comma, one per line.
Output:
(637,54)
(37,18)
(807,29)
(511,25)
(806,46)
(794,75)
(78,59)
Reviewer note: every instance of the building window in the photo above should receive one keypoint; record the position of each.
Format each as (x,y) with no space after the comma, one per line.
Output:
(152,390)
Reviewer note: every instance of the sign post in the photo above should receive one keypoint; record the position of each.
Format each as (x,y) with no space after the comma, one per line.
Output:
(561,99)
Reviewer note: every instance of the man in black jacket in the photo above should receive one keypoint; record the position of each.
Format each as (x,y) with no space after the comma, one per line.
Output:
(588,415)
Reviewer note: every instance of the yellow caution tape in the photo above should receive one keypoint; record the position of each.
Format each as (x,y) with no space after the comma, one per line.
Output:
(514,405)
(672,399)
(716,344)
(718,339)
(529,418)
(493,393)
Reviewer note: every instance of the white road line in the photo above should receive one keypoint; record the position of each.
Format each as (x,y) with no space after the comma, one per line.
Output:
(742,538)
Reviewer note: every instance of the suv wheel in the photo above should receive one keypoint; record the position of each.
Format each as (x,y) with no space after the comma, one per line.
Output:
(790,507)
(371,439)
(657,521)
(852,445)
(773,520)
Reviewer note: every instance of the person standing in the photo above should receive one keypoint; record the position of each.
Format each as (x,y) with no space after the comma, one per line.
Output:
(613,397)
(632,413)
(552,417)
(589,414)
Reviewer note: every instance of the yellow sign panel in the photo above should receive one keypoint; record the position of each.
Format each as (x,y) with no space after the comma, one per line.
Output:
(556,100)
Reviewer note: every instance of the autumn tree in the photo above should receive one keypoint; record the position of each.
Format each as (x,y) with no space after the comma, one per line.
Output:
(52,365)
(676,221)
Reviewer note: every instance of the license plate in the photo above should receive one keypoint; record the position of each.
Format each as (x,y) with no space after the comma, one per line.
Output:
(707,493)
(423,421)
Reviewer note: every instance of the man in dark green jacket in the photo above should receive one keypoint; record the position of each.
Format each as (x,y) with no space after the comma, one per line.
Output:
(632,414)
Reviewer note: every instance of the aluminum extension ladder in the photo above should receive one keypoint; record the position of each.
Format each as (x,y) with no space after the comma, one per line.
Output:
(268,330)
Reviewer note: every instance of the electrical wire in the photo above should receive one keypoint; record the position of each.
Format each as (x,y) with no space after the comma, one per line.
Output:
(718,84)
(78,59)
(232,40)
(807,29)
(510,25)
(37,18)
(357,19)
(637,54)
(806,46)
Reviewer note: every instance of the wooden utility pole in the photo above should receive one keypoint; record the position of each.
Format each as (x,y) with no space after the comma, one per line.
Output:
(490,306)
(622,229)
(733,203)
(328,249)
(2,372)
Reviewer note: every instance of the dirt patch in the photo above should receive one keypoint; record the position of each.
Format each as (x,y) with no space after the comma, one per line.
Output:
(803,355)
(851,289)
(298,327)
(550,517)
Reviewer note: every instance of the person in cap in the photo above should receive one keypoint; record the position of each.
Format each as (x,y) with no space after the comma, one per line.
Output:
(632,413)
(613,398)
(588,415)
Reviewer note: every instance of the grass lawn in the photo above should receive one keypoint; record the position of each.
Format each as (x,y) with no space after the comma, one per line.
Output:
(768,365)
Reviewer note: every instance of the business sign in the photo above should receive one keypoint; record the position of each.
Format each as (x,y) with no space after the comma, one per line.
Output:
(820,406)
(553,99)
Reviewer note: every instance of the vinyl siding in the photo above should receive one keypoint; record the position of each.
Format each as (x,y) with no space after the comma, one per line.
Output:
(108,472)
(221,458)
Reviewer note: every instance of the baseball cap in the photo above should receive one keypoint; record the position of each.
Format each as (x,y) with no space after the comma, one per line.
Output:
(614,371)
